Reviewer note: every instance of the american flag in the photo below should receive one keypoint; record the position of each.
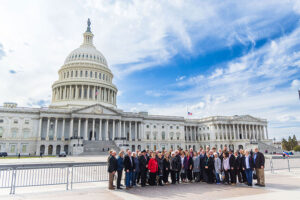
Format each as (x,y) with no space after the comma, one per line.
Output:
(189,113)
(97,92)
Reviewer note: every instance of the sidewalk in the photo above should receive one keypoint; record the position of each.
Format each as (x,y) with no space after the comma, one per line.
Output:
(282,185)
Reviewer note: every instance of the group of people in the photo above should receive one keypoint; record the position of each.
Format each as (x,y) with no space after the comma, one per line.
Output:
(171,167)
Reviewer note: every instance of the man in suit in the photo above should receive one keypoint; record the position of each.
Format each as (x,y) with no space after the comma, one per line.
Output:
(129,168)
(248,167)
(259,162)
(143,168)
(232,168)
(112,168)
(178,165)
(209,167)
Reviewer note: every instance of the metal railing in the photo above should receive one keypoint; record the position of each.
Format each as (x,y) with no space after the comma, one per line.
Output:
(28,175)
(279,163)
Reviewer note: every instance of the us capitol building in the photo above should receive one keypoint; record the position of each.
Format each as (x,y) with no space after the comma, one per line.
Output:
(83,118)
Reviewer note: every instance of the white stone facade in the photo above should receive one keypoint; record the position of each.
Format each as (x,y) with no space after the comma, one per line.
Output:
(84,108)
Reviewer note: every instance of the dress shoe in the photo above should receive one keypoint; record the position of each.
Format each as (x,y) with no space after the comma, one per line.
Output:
(119,188)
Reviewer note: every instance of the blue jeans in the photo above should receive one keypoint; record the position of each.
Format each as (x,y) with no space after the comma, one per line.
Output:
(134,176)
(249,176)
(129,179)
(217,177)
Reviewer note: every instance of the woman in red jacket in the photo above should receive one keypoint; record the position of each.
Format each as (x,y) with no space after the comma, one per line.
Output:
(153,168)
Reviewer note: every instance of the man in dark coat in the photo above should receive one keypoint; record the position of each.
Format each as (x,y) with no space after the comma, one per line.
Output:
(178,165)
(112,168)
(259,161)
(232,171)
(129,167)
(143,168)
(209,167)
(242,174)
(203,158)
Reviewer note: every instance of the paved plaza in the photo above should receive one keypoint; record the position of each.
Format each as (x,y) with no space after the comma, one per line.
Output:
(280,185)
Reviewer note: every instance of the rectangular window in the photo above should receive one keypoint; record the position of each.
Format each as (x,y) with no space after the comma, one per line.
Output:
(26,121)
(1,121)
(12,148)
(24,148)
(14,133)
(15,121)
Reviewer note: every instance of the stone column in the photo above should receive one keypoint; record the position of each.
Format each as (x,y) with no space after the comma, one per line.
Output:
(106,130)
(82,93)
(113,130)
(120,129)
(88,93)
(47,132)
(234,132)
(135,131)
(76,92)
(93,130)
(94,93)
(40,129)
(79,127)
(226,132)
(130,136)
(267,135)
(55,130)
(71,92)
(71,129)
(124,129)
(100,129)
(86,129)
(63,130)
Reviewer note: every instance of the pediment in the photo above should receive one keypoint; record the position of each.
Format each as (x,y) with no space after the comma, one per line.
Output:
(96,109)
(249,118)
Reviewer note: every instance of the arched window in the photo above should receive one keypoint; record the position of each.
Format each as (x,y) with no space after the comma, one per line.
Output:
(103,76)
(71,73)
(80,73)
(99,75)
(91,74)
(79,56)
(76,56)
(67,74)
(86,73)
(76,73)
(87,55)
(95,74)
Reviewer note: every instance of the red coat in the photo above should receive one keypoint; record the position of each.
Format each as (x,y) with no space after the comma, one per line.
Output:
(152,165)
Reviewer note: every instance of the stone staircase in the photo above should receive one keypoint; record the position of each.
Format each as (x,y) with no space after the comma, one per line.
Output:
(263,146)
(97,147)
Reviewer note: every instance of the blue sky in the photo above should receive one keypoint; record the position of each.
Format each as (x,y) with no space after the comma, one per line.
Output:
(216,58)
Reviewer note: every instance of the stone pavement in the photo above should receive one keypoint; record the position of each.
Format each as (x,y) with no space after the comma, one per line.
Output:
(281,185)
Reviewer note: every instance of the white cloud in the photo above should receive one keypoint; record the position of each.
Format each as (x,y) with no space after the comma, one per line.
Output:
(295,84)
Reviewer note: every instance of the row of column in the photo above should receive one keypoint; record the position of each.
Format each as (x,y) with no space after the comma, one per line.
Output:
(228,132)
(118,129)
(240,132)
(87,92)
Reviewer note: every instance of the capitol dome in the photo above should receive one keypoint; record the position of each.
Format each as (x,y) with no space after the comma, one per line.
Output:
(85,78)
